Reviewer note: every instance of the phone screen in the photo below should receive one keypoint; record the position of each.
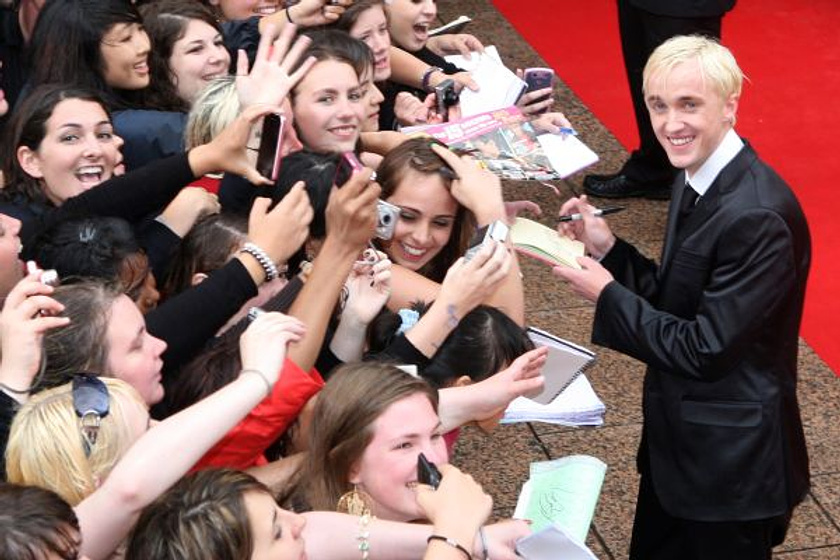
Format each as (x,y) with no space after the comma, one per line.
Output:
(268,157)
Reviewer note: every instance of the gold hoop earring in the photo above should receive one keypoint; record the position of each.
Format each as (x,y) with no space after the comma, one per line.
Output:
(354,502)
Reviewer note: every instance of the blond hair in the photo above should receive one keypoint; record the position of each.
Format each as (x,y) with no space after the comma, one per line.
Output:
(45,441)
(213,110)
(716,62)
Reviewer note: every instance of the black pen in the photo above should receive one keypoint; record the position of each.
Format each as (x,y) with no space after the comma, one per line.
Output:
(599,212)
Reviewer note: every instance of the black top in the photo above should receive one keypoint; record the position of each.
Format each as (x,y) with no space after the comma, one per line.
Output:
(132,196)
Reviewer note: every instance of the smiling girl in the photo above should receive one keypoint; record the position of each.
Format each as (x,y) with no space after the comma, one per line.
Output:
(330,102)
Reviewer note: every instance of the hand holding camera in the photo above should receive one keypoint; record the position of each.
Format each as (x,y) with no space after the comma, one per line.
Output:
(387,214)
(28,313)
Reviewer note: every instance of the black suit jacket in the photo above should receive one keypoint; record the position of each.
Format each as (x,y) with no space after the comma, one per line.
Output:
(685,8)
(717,323)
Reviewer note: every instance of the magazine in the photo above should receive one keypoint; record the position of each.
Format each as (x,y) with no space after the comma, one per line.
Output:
(503,140)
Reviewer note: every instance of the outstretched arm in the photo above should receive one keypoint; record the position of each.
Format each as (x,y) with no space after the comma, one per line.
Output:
(169,449)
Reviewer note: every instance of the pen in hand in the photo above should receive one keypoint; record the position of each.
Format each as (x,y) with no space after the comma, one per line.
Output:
(599,212)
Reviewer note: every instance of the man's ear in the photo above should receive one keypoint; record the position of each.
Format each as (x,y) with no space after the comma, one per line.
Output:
(30,162)
(197,278)
(730,108)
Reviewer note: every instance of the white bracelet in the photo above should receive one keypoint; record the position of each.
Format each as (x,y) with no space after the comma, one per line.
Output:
(268,266)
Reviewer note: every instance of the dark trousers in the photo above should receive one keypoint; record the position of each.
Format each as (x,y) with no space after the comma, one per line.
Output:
(641,33)
(660,536)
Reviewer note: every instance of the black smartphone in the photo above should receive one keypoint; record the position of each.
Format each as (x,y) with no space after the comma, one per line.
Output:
(268,157)
(445,97)
(427,472)
(348,164)
(539,78)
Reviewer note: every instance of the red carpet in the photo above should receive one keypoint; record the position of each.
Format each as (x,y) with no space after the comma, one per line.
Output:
(789,111)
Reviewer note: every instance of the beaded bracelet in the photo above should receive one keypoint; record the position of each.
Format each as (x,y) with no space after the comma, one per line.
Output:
(364,536)
(268,266)
(450,542)
(262,376)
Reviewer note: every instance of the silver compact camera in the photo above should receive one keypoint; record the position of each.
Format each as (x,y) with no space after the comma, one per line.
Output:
(386,222)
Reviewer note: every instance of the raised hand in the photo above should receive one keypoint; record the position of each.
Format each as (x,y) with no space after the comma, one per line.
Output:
(189,206)
(368,289)
(457,508)
(469,283)
(593,231)
(522,378)
(351,213)
(28,313)
(263,344)
(271,78)
(476,188)
(281,231)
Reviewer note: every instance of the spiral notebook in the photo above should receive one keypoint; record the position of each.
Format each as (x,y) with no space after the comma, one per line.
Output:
(565,362)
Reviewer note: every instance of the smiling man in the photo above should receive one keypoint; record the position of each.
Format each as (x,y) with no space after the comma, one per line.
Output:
(722,458)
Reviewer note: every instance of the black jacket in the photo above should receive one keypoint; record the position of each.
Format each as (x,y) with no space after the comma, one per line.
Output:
(717,323)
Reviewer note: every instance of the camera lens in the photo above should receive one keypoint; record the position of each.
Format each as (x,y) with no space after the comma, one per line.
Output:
(386,219)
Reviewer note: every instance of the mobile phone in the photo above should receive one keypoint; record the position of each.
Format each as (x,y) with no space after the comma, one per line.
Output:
(268,157)
(427,472)
(539,78)
(497,231)
(348,164)
(445,97)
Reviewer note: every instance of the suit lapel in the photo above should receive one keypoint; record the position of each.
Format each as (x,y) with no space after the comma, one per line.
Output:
(677,192)
(708,204)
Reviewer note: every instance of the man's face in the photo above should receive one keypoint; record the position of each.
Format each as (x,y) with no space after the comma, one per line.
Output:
(688,116)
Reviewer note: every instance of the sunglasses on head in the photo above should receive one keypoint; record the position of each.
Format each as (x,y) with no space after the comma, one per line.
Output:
(91,402)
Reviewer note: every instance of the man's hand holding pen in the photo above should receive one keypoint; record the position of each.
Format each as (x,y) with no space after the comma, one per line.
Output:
(595,234)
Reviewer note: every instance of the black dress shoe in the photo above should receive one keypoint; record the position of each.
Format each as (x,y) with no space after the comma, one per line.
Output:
(618,185)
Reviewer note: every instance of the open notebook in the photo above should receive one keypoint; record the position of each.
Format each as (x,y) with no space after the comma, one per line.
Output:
(543,243)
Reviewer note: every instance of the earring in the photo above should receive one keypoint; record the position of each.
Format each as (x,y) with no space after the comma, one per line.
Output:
(354,502)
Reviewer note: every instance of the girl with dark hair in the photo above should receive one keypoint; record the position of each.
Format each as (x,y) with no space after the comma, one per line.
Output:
(98,44)
(188,52)
(104,248)
(329,102)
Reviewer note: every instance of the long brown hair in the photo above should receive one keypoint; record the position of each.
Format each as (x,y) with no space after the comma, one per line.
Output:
(342,426)
(416,154)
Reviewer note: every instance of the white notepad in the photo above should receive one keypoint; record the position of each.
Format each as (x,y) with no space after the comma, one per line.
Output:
(567,154)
